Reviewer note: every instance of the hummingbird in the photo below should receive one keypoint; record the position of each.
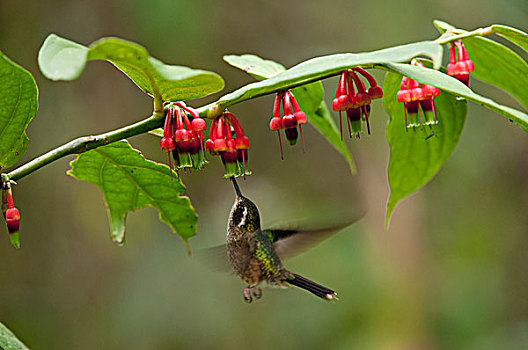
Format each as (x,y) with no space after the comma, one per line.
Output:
(255,254)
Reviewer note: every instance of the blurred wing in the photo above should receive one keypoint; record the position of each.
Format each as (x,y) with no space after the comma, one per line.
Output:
(291,241)
(215,258)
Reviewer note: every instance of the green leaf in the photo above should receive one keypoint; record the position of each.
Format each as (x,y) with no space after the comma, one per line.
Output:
(455,87)
(62,59)
(131,182)
(310,97)
(442,26)
(254,65)
(514,35)
(9,341)
(496,64)
(414,157)
(18,106)
(323,67)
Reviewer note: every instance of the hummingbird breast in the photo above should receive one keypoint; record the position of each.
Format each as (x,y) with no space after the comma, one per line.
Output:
(254,259)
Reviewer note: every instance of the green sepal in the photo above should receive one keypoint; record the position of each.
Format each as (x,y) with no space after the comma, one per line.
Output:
(198,161)
(231,169)
(413,121)
(184,161)
(235,170)
(428,118)
(14,238)
(241,171)
(237,174)
(356,127)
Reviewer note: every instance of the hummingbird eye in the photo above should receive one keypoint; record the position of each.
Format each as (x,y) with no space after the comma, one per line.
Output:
(239,215)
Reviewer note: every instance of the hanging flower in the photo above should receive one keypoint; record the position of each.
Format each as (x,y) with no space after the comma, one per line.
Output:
(459,63)
(293,117)
(228,140)
(183,137)
(11,215)
(355,105)
(415,95)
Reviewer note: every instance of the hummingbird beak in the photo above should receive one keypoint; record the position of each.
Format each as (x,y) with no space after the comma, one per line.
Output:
(237,190)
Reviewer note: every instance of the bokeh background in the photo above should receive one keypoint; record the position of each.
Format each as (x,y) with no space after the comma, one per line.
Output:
(449,273)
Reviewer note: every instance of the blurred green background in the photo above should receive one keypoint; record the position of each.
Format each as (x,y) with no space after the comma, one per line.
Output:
(450,272)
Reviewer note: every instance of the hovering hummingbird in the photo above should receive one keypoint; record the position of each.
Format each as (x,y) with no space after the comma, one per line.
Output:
(255,254)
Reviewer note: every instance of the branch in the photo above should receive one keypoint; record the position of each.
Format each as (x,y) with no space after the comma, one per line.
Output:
(450,36)
(247,92)
(211,111)
(86,143)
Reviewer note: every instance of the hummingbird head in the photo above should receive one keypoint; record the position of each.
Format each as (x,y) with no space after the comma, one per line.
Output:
(244,216)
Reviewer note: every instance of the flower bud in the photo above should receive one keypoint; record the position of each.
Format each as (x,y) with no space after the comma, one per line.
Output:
(430,91)
(198,124)
(167,144)
(403,96)
(300,117)
(417,94)
(289,121)
(375,92)
(276,123)
(13,220)
(362,98)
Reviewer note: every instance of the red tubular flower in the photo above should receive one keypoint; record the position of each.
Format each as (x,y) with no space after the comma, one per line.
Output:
(356,105)
(460,65)
(167,142)
(227,139)
(293,117)
(363,102)
(183,137)
(414,95)
(299,115)
(11,215)
(374,90)
(290,123)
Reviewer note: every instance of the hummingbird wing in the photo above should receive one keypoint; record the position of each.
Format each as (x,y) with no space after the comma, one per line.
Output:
(215,258)
(294,239)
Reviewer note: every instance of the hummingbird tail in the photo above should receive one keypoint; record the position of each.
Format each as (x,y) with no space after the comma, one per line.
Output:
(312,287)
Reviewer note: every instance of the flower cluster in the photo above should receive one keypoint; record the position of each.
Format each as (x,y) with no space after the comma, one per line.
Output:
(183,136)
(227,139)
(356,105)
(11,214)
(293,117)
(459,63)
(415,95)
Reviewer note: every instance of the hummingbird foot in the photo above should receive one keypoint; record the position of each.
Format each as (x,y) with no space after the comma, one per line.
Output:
(252,289)
(257,292)
(247,294)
